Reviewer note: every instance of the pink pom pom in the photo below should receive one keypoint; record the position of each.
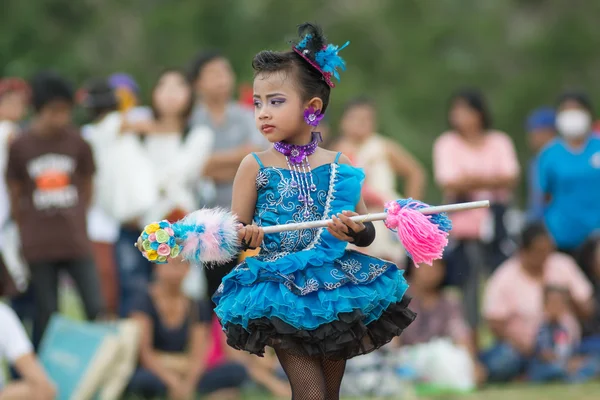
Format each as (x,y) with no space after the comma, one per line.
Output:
(421,238)
(152,237)
(169,231)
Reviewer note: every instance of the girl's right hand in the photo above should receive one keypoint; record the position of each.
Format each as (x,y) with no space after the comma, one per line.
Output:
(251,236)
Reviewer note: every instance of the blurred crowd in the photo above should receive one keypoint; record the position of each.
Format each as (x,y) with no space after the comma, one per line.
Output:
(516,296)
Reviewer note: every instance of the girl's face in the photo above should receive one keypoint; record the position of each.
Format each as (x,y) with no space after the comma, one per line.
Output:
(172,95)
(358,122)
(13,106)
(429,278)
(278,108)
(173,272)
(463,117)
(215,80)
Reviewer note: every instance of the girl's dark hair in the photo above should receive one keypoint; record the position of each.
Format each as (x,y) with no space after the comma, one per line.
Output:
(200,62)
(578,96)
(474,99)
(100,98)
(360,101)
(531,232)
(188,110)
(310,81)
(587,256)
(48,86)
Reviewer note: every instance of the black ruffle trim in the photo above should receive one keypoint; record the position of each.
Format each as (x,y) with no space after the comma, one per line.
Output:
(344,338)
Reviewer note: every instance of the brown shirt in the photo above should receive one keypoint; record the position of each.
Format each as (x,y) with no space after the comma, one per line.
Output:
(51,173)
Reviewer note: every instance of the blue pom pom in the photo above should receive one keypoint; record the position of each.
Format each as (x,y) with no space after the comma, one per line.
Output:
(442,221)
(154,245)
(171,242)
(163,224)
(144,235)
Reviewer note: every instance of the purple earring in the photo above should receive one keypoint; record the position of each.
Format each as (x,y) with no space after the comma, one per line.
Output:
(313,117)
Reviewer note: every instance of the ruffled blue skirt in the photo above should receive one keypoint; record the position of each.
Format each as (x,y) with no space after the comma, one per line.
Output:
(306,304)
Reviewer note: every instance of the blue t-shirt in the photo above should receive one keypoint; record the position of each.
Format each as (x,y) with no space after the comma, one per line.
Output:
(535,201)
(572,179)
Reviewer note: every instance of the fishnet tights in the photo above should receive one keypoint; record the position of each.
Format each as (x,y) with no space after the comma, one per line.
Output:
(312,378)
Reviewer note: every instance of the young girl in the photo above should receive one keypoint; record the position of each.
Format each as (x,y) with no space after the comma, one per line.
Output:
(305,295)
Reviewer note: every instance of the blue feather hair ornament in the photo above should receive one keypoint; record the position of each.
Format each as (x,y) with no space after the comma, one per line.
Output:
(323,57)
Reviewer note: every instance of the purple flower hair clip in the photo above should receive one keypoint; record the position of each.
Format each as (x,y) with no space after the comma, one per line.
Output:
(313,117)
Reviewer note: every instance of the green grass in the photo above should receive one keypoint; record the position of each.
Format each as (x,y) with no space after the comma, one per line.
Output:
(512,392)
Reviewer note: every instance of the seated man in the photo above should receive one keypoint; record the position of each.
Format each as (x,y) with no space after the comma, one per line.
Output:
(16,348)
(514,302)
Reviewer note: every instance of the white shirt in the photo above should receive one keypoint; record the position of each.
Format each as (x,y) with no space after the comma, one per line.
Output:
(14,342)
(6,129)
(101,226)
(177,168)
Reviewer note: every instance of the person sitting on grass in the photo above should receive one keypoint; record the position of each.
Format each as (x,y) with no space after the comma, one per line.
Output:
(513,303)
(555,356)
(174,346)
(16,348)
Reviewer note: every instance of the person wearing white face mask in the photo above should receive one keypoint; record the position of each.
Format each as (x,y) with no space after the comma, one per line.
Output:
(569,175)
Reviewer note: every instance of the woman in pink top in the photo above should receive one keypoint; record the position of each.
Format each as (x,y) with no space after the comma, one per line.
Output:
(474,162)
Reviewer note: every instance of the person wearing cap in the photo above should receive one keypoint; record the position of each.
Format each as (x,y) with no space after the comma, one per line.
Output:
(127,92)
(540,132)
(569,175)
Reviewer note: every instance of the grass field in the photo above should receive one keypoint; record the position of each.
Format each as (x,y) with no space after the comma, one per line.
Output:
(71,306)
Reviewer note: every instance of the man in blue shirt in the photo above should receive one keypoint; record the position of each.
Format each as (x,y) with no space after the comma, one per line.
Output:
(541,131)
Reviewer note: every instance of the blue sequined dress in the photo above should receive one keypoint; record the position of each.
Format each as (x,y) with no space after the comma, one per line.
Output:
(305,292)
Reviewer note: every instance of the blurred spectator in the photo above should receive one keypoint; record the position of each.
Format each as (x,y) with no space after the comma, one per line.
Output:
(541,131)
(174,347)
(589,260)
(177,155)
(439,313)
(103,230)
(383,161)
(235,135)
(569,172)
(14,98)
(555,356)
(514,306)
(49,174)
(17,350)
(474,162)
(128,102)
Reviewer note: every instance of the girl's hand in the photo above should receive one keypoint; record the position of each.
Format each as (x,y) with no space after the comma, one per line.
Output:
(343,228)
(251,236)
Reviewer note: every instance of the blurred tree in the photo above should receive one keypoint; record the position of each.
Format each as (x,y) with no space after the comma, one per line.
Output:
(409,55)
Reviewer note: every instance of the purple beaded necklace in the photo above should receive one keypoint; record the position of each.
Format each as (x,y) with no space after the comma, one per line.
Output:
(297,161)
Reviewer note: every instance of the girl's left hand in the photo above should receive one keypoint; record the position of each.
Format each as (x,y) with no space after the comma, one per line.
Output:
(343,228)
